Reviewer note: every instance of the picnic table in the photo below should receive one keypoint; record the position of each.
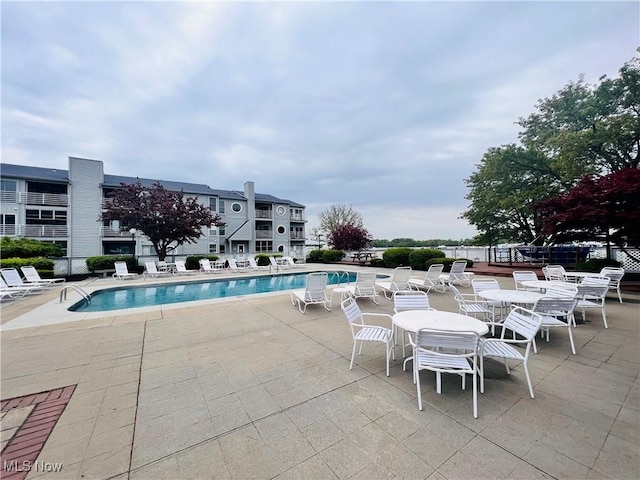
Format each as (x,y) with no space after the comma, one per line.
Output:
(361,256)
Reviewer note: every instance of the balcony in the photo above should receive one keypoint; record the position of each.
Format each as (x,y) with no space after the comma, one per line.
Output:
(297,217)
(33,198)
(264,214)
(35,231)
(264,234)
(297,236)
(113,232)
(7,196)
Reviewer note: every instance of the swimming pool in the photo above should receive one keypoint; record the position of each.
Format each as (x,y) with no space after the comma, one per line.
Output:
(165,293)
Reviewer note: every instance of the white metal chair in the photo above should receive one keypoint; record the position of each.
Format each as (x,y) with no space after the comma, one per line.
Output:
(181,268)
(524,276)
(399,281)
(555,273)
(522,322)
(233,266)
(31,276)
(446,352)
(614,274)
(553,309)
(457,274)
(362,332)
(431,280)
(206,267)
(365,286)
(315,292)
(482,284)
(469,304)
(275,266)
(13,291)
(404,300)
(253,265)
(592,292)
(122,272)
(151,270)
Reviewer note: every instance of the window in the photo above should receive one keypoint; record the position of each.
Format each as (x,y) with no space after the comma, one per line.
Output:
(221,206)
(236,207)
(213,248)
(280,210)
(213,201)
(8,185)
(281,248)
(221,231)
(264,246)
(223,249)
(46,217)
(7,224)
(281,230)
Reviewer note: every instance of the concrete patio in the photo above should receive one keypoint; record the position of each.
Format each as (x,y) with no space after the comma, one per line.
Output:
(249,387)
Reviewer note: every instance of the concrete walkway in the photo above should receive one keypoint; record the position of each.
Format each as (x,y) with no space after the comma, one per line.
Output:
(251,388)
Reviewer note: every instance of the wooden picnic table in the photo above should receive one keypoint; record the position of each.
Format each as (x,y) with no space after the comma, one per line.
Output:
(361,256)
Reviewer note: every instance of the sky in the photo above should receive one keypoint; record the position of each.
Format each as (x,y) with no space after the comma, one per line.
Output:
(383,106)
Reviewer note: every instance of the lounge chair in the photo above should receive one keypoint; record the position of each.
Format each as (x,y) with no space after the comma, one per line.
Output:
(122,272)
(19,290)
(207,267)
(365,286)
(399,281)
(253,265)
(233,266)
(275,266)
(457,274)
(181,268)
(289,262)
(32,277)
(151,270)
(315,292)
(431,280)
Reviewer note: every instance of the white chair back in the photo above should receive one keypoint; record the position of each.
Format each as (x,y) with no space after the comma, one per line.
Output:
(524,322)
(410,300)
(524,276)
(316,287)
(365,283)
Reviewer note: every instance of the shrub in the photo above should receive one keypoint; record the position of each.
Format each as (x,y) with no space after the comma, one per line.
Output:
(447,262)
(28,248)
(418,258)
(192,262)
(396,257)
(262,259)
(331,256)
(377,262)
(105,262)
(595,264)
(44,266)
(315,256)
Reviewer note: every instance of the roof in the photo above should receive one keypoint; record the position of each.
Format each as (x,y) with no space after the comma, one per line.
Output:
(62,176)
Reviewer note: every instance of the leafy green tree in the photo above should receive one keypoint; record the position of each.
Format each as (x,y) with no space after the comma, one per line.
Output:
(339,214)
(607,207)
(164,216)
(349,237)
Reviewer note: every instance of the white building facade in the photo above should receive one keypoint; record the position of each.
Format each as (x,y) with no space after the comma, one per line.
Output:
(64,207)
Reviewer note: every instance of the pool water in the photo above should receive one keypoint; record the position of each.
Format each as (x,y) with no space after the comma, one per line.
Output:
(160,294)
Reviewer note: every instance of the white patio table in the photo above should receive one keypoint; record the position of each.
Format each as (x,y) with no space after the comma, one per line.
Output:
(507,297)
(575,277)
(544,284)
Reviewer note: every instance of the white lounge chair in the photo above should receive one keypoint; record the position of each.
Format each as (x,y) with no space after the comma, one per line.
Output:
(233,266)
(399,281)
(365,286)
(181,268)
(207,267)
(15,292)
(14,280)
(457,274)
(275,266)
(253,265)
(289,262)
(431,280)
(122,272)
(315,292)
(151,270)
(32,276)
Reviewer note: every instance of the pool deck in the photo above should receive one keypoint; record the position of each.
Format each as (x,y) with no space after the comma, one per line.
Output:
(248,387)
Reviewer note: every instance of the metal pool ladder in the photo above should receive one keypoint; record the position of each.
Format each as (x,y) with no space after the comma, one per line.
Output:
(83,294)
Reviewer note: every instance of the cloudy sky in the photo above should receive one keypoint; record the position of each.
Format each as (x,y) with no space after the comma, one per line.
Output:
(383,106)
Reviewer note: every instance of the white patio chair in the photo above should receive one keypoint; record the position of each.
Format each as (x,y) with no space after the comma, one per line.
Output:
(14,282)
(404,300)
(525,276)
(431,280)
(469,304)
(362,332)
(553,309)
(365,286)
(592,292)
(614,274)
(253,265)
(17,291)
(122,272)
(233,266)
(481,284)
(555,273)
(31,276)
(520,322)
(457,274)
(446,352)
(315,292)
(206,267)
(181,268)
(289,262)
(151,270)
(275,266)
(399,281)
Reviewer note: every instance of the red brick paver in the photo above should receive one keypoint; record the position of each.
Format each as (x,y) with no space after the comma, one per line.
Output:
(19,455)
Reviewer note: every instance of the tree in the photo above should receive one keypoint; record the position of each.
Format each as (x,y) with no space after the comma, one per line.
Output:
(339,214)
(163,216)
(606,207)
(349,237)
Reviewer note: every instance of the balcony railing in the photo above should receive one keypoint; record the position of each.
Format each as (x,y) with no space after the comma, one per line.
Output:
(297,218)
(33,198)
(264,214)
(8,197)
(34,231)
(113,232)
(264,233)
(297,236)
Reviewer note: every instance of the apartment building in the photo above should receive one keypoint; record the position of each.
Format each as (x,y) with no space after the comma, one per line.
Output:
(64,206)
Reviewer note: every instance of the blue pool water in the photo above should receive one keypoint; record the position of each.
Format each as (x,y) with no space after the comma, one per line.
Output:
(160,294)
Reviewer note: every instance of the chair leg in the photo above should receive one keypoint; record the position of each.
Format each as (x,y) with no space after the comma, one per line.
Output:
(604,317)
(475,392)
(526,372)
(481,372)
(417,380)
(353,354)
(573,347)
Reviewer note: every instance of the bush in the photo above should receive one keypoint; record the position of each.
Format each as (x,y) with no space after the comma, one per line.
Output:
(28,248)
(262,259)
(377,262)
(447,262)
(315,256)
(418,258)
(44,266)
(396,257)
(192,262)
(105,262)
(331,256)
(595,264)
